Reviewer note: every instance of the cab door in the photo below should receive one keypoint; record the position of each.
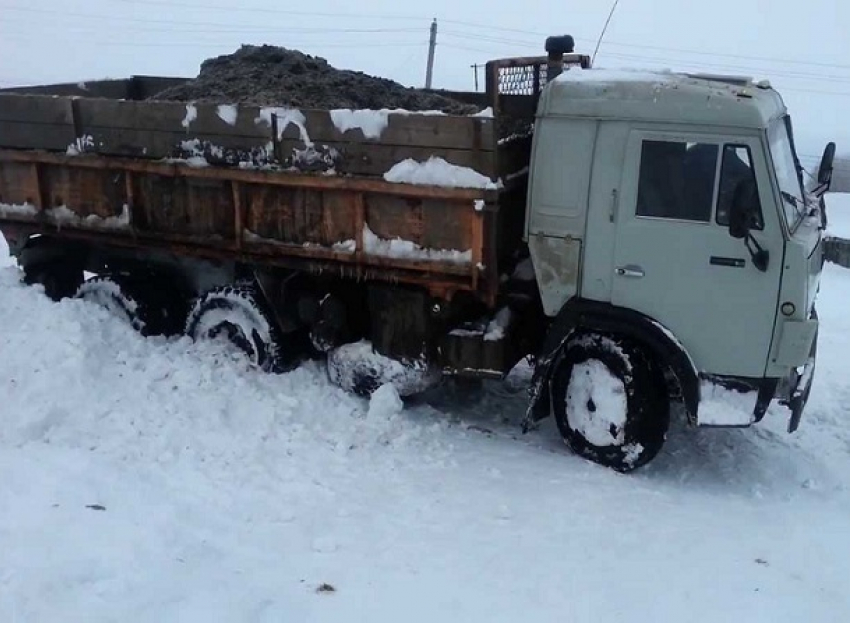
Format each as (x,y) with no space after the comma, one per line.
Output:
(675,260)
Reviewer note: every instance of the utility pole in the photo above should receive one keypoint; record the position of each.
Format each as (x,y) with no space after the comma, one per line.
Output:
(475,68)
(432,46)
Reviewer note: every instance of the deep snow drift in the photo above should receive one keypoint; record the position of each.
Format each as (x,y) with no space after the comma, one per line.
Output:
(154,480)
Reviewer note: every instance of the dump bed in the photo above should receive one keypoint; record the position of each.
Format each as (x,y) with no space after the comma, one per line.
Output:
(420,198)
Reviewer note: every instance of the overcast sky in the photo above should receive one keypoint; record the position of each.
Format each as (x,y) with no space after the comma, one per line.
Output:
(802,48)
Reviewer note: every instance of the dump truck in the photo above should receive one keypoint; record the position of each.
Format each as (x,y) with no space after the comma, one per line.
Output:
(638,236)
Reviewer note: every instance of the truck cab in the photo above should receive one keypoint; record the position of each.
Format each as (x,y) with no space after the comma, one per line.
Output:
(667,211)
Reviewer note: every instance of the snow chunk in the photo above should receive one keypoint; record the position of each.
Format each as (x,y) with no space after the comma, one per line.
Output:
(385,402)
(358,366)
(371,122)
(437,172)
(497,327)
(723,407)
(596,404)
(406,249)
(191,115)
(285,117)
(63,215)
(228,113)
(346,246)
(80,145)
(487,113)
(18,209)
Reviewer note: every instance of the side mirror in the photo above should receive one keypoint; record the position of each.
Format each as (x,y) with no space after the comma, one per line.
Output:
(742,215)
(826,165)
(742,208)
(825,171)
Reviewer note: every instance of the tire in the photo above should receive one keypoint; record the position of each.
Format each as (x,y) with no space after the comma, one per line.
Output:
(113,294)
(149,305)
(59,278)
(610,401)
(237,313)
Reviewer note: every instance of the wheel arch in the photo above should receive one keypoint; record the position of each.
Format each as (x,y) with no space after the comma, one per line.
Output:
(585,315)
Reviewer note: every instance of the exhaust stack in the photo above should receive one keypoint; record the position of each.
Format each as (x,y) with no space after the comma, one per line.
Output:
(556,47)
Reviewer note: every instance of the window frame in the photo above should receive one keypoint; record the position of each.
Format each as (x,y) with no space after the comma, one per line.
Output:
(643,138)
(721,142)
(752,167)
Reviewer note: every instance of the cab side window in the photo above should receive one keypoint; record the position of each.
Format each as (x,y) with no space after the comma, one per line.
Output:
(676,180)
(737,173)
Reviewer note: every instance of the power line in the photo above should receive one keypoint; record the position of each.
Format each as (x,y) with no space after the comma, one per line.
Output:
(230,28)
(137,20)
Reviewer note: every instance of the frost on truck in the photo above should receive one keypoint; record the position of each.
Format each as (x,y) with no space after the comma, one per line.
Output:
(637,245)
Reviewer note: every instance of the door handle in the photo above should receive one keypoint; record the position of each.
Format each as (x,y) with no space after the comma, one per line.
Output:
(635,272)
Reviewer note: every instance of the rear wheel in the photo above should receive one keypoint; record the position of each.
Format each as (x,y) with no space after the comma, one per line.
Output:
(237,314)
(610,401)
(150,304)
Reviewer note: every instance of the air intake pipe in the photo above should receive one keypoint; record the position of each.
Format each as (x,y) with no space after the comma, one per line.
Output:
(556,47)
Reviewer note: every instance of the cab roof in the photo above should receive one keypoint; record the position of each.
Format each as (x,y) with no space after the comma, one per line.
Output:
(701,99)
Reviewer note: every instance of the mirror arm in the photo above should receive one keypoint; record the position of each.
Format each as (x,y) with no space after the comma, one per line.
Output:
(760,256)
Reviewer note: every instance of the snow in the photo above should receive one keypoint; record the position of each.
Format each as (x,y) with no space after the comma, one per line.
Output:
(63,215)
(487,113)
(614,75)
(406,249)
(437,172)
(231,495)
(346,246)
(191,115)
(497,327)
(285,117)
(228,113)
(371,122)
(349,365)
(725,407)
(80,146)
(596,404)
(17,209)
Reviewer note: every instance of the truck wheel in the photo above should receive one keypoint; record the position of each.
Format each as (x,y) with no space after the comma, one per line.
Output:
(237,314)
(113,294)
(59,278)
(610,402)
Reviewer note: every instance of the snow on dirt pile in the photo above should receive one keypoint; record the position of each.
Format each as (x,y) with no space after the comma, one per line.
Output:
(274,76)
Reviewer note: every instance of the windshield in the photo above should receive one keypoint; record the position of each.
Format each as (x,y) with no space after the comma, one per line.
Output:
(785,164)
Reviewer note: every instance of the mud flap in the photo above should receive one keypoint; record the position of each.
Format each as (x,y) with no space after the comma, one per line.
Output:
(800,395)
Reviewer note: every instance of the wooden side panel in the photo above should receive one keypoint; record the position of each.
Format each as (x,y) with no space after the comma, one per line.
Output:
(300,216)
(185,207)
(36,122)
(431,224)
(308,139)
(18,185)
(86,192)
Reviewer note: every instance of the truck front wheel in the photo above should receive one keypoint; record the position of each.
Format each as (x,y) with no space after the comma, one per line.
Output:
(610,401)
(237,314)
(60,278)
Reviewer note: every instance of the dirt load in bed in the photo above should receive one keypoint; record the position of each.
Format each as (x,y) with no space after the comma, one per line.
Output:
(274,76)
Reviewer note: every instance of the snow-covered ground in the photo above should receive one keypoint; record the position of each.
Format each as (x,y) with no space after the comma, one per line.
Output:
(158,481)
